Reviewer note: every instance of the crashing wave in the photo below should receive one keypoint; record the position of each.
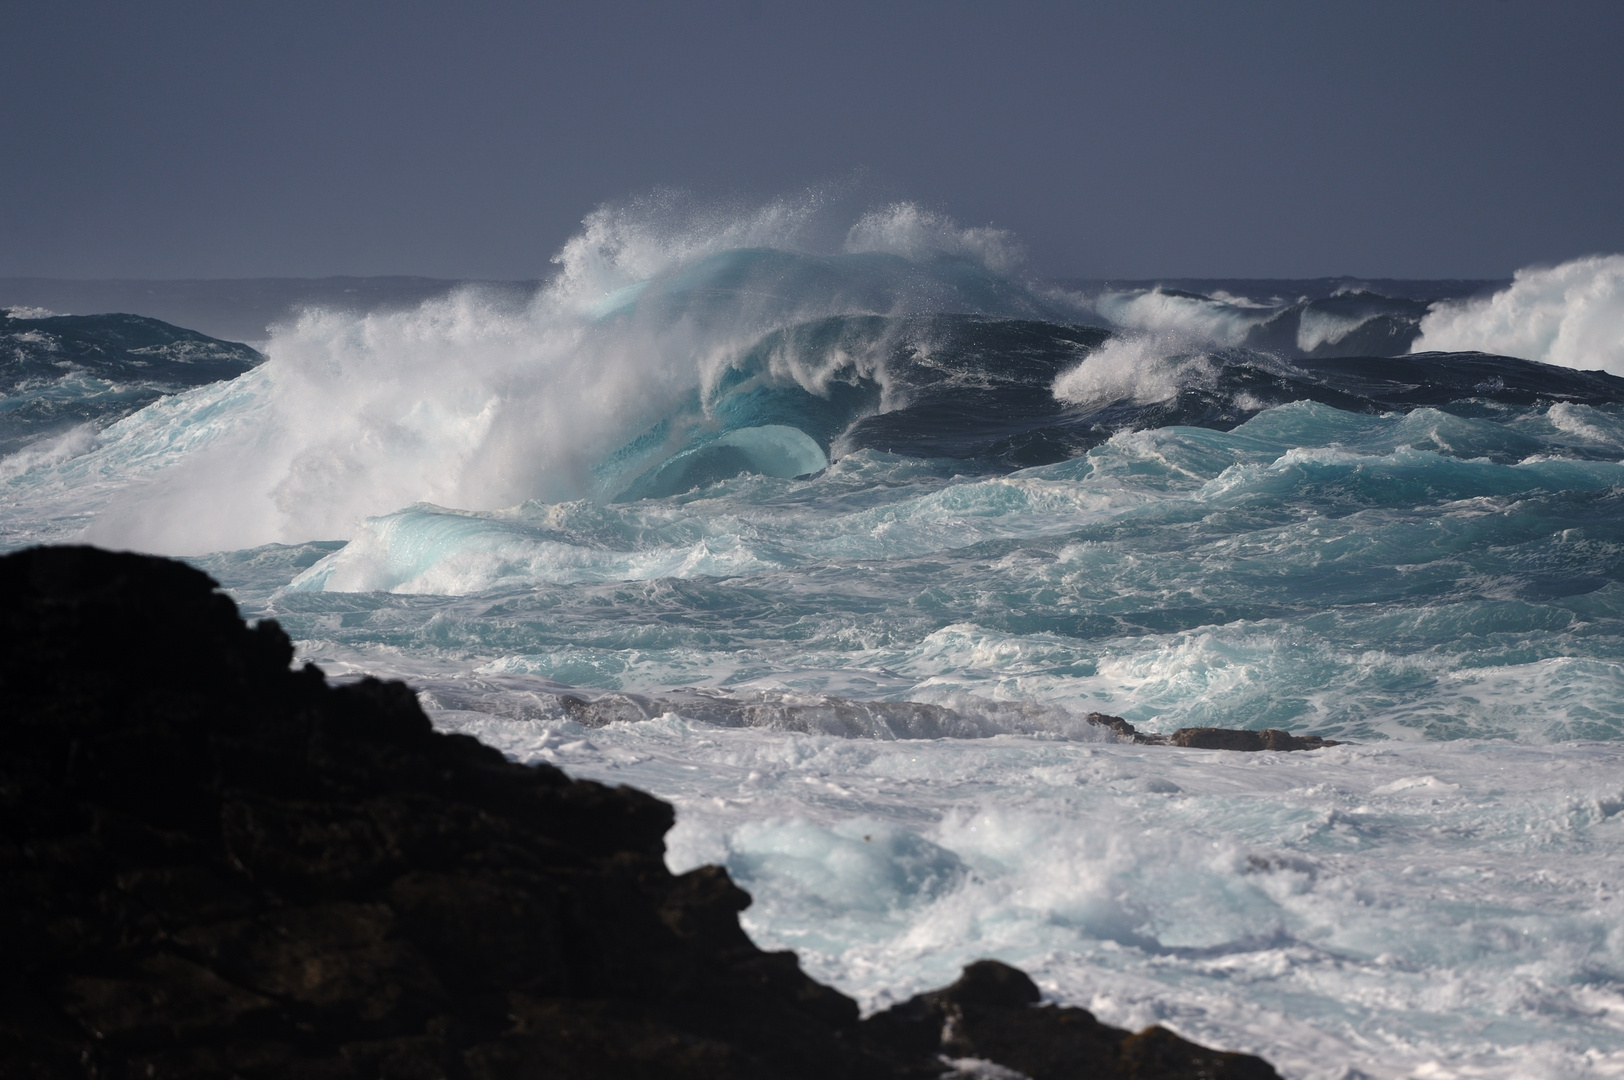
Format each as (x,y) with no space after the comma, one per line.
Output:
(478,400)
(1571,315)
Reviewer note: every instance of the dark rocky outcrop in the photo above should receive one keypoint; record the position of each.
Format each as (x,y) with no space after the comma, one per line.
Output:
(992,1014)
(218,866)
(1214,738)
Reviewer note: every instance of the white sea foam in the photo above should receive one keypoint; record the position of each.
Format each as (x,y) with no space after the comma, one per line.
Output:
(1571,315)
(1587,424)
(1384,910)
(431,549)
(75,442)
(1140,368)
(909,230)
(1219,322)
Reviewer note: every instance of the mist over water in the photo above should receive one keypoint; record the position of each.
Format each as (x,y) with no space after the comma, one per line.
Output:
(836,546)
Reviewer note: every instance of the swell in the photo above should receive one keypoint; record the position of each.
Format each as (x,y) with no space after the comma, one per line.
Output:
(59,372)
(1003,394)
(308,450)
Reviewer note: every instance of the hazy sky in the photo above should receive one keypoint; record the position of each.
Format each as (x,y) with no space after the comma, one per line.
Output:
(1427,138)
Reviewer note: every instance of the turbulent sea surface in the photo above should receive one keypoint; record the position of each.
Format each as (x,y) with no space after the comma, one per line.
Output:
(835,552)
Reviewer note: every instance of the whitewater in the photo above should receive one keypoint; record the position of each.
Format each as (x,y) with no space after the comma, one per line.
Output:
(836,546)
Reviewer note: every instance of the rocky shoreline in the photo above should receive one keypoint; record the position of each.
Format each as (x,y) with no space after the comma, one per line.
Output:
(219,866)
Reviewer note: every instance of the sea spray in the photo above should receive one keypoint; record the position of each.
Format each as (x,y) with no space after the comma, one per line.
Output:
(1571,314)
(476,400)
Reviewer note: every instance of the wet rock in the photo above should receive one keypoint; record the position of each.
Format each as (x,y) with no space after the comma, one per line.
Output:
(218,866)
(1211,738)
(992,1014)
(1122,728)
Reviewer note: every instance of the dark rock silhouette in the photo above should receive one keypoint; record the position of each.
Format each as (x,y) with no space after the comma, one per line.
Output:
(218,866)
(992,1014)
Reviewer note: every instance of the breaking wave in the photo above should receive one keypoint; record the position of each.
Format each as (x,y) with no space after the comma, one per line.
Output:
(1571,315)
(480,400)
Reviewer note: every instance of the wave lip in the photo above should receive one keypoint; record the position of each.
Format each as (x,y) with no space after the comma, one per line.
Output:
(1223,321)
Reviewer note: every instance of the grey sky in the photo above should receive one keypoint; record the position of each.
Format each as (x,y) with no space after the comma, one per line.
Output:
(1425,138)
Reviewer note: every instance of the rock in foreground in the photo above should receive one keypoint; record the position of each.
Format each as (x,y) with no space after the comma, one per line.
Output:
(217,866)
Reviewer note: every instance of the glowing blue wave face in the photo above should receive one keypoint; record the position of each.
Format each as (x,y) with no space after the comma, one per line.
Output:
(771,450)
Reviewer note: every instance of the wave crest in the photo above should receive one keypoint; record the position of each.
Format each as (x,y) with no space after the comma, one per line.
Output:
(1223,321)
(484,398)
(1142,370)
(1571,315)
(913,232)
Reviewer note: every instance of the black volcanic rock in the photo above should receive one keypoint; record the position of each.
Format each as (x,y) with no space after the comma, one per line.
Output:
(218,866)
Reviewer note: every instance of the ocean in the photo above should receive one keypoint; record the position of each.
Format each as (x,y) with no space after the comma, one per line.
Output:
(836,549)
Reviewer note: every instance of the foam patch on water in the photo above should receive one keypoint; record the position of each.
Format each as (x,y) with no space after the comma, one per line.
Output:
(1395,910)
(716,533)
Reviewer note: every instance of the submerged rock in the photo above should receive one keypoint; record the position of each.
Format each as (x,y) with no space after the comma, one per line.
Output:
(218,866)
(1214,738)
